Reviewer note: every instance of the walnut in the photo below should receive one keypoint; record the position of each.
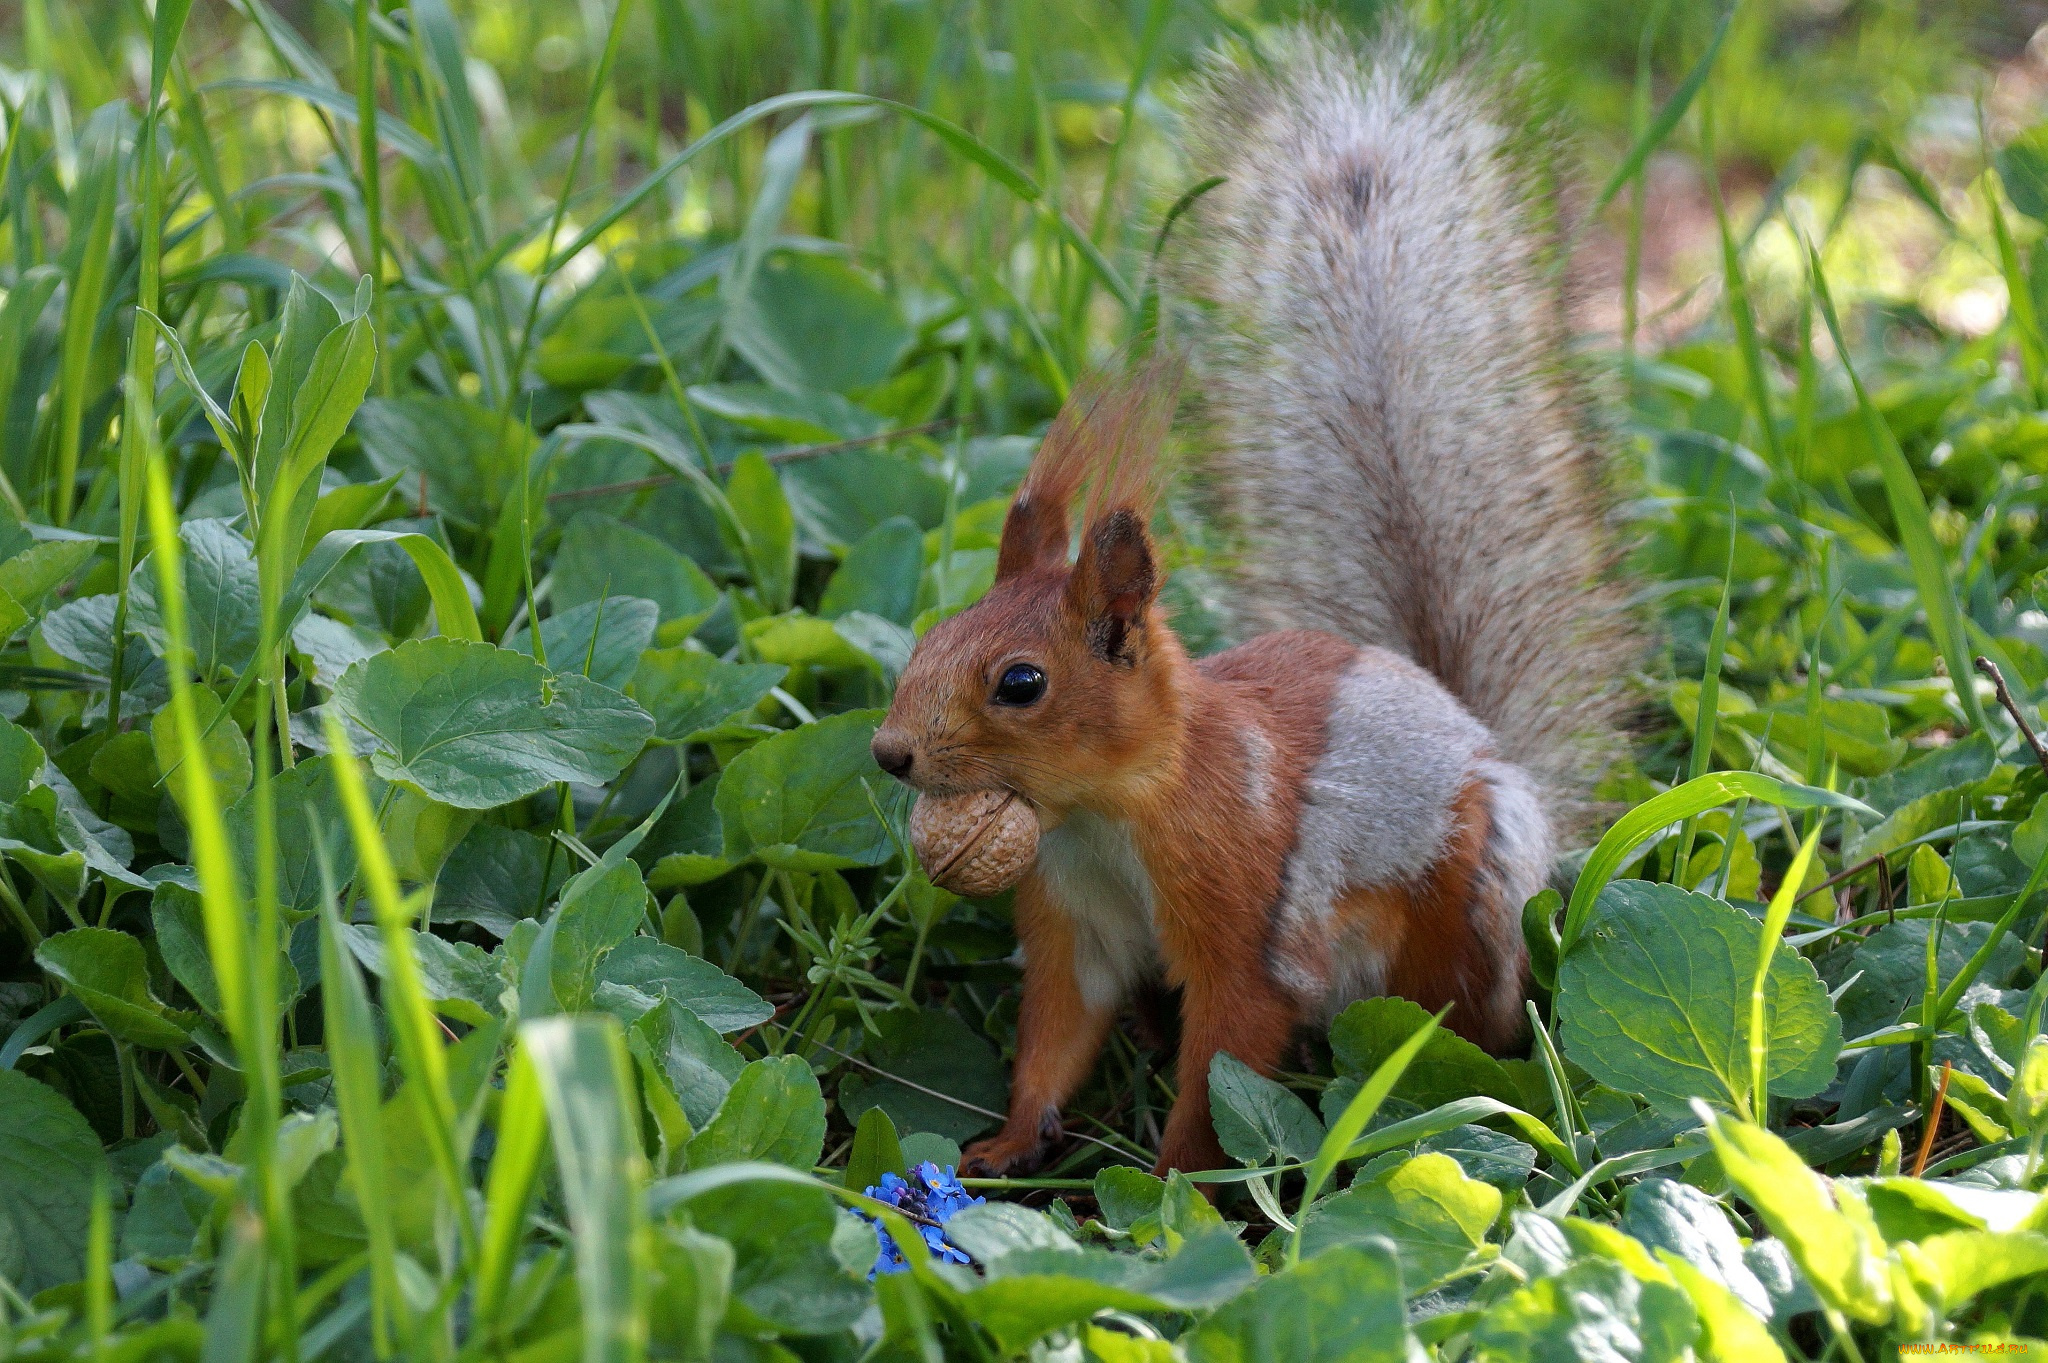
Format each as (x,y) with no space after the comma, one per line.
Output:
(978,844)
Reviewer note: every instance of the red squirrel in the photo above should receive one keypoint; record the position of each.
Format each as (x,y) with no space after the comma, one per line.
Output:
(1359,801)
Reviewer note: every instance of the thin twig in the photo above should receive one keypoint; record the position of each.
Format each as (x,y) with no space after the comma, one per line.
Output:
(1933,1121)
(779,457)
(1990,669)
(1843,874)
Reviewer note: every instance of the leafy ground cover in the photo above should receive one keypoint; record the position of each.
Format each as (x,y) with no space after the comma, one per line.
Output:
(469,482)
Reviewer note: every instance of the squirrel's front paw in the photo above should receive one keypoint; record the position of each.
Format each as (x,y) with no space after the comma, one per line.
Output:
(1012,1150)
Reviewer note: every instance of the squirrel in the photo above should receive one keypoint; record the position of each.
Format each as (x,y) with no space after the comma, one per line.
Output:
(1359,801)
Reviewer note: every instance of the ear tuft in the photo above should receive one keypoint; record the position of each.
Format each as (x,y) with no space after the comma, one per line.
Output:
(1114,584)
(1034,531)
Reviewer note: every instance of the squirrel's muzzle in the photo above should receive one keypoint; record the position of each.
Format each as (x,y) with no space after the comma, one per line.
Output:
(893,753)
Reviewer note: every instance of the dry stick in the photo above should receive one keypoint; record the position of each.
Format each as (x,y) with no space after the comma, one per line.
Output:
(1843,874)
(949,1098)
(1990,669)
(780,457)
(1933,1122)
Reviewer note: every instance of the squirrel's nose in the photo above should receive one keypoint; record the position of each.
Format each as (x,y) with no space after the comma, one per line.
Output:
(893,753)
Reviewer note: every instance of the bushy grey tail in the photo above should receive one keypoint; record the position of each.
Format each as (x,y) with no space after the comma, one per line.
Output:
(1393,422)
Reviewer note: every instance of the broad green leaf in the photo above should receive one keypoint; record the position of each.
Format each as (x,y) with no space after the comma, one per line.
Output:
(1484,1154)
(307,321)
(475,726)
(49,1159)
(762,512)
(841,499)
(934,1050)
(1434,1216)
(1594,1309)
(995,1230)
(687,846)
(1964,1264)
(795,802)
(816,322)
(601,557)
(40,569)
(1730,1332)
(692,694)
(1447,1069)
(879,574)
(1890,969)
(497,877)
(164,1215)
(21,762)
(602,640)
(798,417)
(785,1276)
(308,812)
(110,975)
(453,612)
(601,908)
(699,1064)
(454,443)
(690,1289)
(1837,1249)
(1256,1119)
(1683,1220)
(799,639)
(226,749)
(1925,814)
(459,979)
(1345,1306)
(221,600)
(774,1112)
(659,970)
(1653,999)
(1032,1292)
(876,1151)
(2023,168)
(1126,1196)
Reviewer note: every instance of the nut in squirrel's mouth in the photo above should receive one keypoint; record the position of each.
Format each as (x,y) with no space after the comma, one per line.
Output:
(977,843)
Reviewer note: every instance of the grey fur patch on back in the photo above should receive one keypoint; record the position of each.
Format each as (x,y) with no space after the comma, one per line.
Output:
(1092,872)
(1377,806)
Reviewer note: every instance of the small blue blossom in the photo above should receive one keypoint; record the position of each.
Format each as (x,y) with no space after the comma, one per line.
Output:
(929,1198)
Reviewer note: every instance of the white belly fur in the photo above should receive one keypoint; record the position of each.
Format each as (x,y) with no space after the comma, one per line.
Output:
(1092,872)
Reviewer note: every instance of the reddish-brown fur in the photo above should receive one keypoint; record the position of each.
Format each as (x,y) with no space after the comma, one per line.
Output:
(1132,729)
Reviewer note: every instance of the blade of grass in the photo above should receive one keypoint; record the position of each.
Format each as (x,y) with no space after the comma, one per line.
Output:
(405,1001)
(1909,509)
(586,1078)
(88,268)
(956,138)
(1775,918)
(1741,316)
(351,1034)
(1706,722)
(1668,117)
(515,1172)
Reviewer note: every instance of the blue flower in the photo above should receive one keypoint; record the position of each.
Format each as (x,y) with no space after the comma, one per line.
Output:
(929,1199)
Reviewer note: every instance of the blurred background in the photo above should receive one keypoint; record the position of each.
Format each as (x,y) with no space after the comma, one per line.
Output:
(1812,99)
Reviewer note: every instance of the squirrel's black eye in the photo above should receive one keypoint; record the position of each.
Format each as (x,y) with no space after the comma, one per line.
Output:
(1021,684)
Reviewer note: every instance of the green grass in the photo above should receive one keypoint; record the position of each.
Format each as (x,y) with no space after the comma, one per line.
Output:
(659,373)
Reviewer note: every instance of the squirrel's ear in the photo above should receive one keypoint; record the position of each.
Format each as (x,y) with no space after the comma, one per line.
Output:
(1114,583)
(1034,533)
